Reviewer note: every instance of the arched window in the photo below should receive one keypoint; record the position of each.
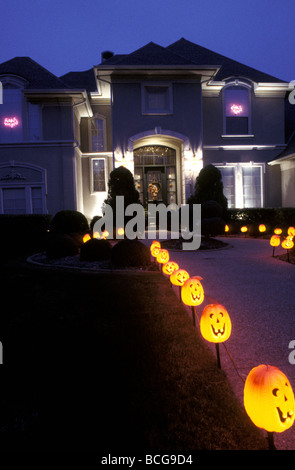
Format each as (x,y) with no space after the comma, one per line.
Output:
(20,120)
(237,109)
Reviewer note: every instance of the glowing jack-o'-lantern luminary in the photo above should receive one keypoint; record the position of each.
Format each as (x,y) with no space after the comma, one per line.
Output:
(163,256)
(215,323)
(192,292)
(179,277)
(155,251)
(269,399)
(170,267)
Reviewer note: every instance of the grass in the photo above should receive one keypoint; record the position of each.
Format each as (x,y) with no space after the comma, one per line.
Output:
(109,362)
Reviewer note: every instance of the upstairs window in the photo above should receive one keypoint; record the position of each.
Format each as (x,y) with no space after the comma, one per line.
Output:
(97,134)
(11,115)
(157,99)
(237,110)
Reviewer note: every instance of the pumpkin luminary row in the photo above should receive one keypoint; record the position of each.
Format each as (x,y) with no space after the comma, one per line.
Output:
(268,395)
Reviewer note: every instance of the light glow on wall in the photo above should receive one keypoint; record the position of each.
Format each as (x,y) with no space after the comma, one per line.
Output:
(11,122)
(236,109)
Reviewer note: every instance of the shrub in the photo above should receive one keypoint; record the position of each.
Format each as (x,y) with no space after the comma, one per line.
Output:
(130,253)
(69,221)
(95,250)
(23,234)
(60,245)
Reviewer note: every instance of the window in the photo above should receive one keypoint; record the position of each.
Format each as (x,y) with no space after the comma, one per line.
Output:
(34,121)
(11,126)
(252,186)
(22,200)
(242,184)
(228,180)
(97,134)
(157,99)
(98,175)
(237,112)
(22,188)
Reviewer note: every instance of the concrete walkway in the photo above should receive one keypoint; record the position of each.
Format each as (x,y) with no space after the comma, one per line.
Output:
(259,293)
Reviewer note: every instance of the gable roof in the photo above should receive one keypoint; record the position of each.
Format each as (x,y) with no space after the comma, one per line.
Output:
(37,76)
(184,52)
(152,54)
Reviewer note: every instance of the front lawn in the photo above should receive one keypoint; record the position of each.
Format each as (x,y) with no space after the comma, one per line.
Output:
(109,362)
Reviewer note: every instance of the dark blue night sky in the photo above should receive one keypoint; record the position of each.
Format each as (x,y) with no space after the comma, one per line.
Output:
(69,35)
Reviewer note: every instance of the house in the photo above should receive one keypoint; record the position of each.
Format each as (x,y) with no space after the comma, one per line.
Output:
(162,112)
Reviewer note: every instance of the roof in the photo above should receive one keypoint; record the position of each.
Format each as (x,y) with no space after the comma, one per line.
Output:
(80,80)
(37,76)
(184,52)
(150,54)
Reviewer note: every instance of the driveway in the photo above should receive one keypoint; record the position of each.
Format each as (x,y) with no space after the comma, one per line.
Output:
(258,291)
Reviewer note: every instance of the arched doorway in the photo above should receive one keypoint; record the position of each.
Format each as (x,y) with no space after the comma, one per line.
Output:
(155,174)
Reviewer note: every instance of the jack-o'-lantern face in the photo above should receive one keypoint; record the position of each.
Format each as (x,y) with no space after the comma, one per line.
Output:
(262,228)
(163,256)
(155,251)
(170,267)
(277,231)
(215,323)
(275,240)
(269,399)
(287,244)
(179,277)
(192,292)
(155,243)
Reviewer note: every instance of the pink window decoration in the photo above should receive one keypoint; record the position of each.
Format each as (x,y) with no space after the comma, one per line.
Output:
(11,122)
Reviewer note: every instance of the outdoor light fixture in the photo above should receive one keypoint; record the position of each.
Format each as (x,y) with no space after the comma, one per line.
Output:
(262,228)
(192,294)
(86,238)
(274,241)
(163,256)
(215,326)
(244,229)
(269,400)
(291,231)
(277,231)
(170,267)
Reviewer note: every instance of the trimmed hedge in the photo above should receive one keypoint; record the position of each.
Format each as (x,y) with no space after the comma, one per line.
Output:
(95,250)
(130,253)
(69,221)
(282,217)
(60,245)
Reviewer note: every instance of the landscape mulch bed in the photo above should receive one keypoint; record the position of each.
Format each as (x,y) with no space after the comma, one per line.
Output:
(109,362)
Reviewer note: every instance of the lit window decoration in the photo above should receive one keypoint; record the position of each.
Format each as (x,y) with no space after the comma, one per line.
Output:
(11,122)
(236,109)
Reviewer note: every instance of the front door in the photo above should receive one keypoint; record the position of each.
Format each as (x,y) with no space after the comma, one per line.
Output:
(155,174)
(155,191)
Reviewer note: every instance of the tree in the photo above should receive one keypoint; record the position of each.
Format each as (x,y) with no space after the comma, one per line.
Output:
(209,193)
(209,187)
(121,183)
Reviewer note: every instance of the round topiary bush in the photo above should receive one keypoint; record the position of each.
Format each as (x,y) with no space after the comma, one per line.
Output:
(59,245)
(130,253)
(68,221)
(95,250)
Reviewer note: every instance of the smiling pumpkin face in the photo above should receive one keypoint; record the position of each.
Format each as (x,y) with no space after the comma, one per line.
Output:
(269,399)
(179,277)
(163,256)
(215,323)
(170,267)
(192,292)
